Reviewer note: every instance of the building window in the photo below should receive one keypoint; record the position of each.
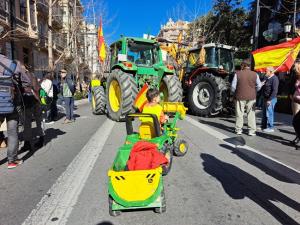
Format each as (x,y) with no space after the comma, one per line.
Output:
(23,8)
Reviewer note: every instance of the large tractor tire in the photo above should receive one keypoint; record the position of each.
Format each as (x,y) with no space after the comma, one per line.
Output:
(171,88)
(121,92)
(206,95)
(98,100)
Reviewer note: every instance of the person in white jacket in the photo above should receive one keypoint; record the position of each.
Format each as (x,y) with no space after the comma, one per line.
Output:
(47,86)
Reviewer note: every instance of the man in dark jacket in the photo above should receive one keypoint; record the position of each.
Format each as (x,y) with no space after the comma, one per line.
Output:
(270,90)
(245,84)
(68,90)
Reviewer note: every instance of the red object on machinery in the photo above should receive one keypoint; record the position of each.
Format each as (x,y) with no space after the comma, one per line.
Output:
(144,156)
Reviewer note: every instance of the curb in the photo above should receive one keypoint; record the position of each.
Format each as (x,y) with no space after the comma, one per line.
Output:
(285,171)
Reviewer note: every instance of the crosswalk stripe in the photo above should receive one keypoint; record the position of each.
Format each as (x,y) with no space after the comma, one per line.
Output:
(56,206)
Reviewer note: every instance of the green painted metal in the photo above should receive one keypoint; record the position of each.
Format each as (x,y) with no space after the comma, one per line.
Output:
(169,136)
(156,204)
(151,74)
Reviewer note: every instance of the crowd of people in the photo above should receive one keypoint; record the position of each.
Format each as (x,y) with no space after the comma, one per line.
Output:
(25,98)
(247,84)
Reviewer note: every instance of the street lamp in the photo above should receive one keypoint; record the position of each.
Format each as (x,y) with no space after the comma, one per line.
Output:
(287,28)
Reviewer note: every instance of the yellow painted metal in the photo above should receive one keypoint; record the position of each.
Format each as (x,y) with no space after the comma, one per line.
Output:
(135,185)
(182,147)
(146,130)
(173,107)
(93,102)
(95,83)
(115,95)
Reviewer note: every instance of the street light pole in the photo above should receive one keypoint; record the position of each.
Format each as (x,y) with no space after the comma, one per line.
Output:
(256,30)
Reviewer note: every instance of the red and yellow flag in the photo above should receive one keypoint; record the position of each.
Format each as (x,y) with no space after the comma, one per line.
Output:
(281,56)
(101,43)
(141,99)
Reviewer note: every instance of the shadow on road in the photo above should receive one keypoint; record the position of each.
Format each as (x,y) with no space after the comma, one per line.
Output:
(271,137)
(105,223)
(238,185)
(287,132)
(50,134)
(218,125)
(259,158)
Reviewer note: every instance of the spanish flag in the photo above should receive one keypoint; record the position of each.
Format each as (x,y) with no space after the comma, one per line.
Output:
(101,43)
(141,99)
(281,56)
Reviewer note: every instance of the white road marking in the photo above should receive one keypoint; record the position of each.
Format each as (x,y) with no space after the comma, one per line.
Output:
(56,206)
(221,136)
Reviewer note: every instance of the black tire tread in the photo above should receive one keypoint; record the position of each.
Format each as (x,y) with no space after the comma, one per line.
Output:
(100,100)
(174,88)
(129,91)
(176,150)
(218,84)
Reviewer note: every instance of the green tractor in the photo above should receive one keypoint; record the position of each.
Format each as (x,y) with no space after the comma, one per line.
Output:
(133,63)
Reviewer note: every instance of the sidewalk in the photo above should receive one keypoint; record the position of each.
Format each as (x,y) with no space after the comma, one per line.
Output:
(77,103)
(276,145)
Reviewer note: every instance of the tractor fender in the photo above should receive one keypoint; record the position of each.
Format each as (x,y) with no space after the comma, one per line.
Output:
(197,72)
(124,68)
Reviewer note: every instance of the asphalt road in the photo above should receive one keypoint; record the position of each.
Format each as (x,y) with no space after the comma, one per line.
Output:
(66,181)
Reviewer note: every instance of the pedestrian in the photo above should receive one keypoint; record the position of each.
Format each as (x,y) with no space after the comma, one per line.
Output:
(47,87)
(53,106)
(68,90)
(32,110)
(294,81)
(13,77)
(270,90)
(245,84)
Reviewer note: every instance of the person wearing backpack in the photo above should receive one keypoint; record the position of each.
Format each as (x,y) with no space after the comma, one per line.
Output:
(68,90)
(12,78)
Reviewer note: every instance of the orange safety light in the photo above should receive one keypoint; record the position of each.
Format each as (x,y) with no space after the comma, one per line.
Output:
(127,64)
(170,67)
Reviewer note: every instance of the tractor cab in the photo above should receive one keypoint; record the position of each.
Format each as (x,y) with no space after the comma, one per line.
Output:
(216,57)
(135,52)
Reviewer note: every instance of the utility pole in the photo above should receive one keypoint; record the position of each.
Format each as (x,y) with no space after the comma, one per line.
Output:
(50,42)
(256,30)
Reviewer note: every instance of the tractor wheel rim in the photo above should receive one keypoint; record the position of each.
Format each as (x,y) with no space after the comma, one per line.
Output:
(182,147)
(201,97)
(204,96)
(115,96)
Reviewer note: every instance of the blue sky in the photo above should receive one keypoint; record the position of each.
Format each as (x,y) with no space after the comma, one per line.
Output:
(136,17)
